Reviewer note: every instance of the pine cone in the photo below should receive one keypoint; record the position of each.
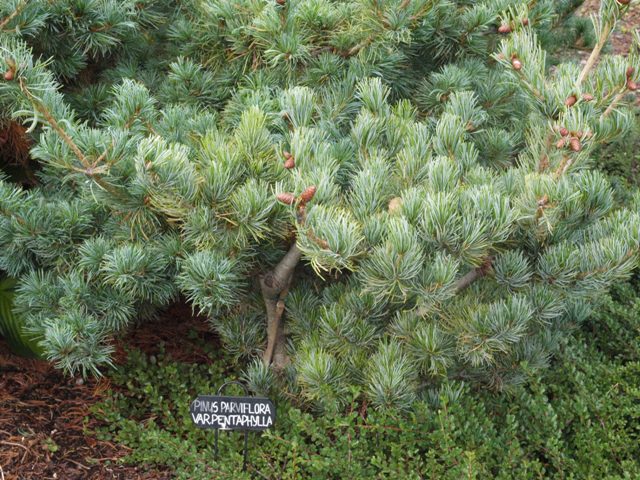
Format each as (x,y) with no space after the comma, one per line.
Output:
(624,2)
(561,143)
(525,22)
(571,101)
(286,198)
(630,72)
(307,195)
(516,63)
(289,163)
(281,2)
(575,144)
(504,28)
(9,75)
(633,86)
(564,132)
(587,97)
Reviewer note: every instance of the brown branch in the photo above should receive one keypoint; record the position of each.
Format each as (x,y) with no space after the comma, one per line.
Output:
(614,102)
(275,286)
(54,124)
(13,15)
(474,274)
(276,280)
(595,53)
(567,161)
(469,278)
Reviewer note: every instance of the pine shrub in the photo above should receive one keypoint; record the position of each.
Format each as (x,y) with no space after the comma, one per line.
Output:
(365,198)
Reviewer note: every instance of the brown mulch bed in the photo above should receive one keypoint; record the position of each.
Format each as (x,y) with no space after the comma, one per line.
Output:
(622,36)
(45,426)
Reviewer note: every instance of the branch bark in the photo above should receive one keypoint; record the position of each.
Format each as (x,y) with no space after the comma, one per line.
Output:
(595,53)
(469,278)
(4,22)
(275,286)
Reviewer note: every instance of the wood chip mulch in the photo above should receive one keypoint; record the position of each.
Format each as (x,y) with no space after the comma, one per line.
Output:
(45,422)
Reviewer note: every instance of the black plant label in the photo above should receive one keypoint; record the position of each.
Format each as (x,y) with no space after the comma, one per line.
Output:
(232,413)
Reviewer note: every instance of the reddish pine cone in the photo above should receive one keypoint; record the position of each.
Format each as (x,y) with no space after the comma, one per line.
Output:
(280,2)
(504,28)
(633,86)
(571,101)
(286,198)
(289,163)
(308,194)
(525,21)
(516,63)
(9,75)
(587,97)
(574,143)
(624,2)
(564,132)
(630,71)
(561,143)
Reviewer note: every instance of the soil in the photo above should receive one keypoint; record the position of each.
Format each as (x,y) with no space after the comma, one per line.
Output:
(45,425)
(622,36)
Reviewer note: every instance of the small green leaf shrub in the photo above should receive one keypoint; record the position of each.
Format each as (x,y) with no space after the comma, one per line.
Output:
(581,419)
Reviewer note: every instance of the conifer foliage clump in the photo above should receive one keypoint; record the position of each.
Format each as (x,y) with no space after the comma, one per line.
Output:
(369,198)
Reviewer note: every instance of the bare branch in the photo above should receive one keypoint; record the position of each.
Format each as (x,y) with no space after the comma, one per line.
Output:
(469,278)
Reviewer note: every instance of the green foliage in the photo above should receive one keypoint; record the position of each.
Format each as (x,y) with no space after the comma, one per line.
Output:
(459,235)
(620,160)
(578,420)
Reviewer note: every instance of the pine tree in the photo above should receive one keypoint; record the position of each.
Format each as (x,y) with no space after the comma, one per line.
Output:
(280,178)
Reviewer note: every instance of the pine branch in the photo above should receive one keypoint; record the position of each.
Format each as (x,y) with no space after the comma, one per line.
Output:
(619,96)
(468,279)
(13,14)
(275,286)
(595,53)
(55,125)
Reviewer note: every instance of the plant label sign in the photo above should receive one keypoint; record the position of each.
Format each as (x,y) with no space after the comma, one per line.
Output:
(232,413)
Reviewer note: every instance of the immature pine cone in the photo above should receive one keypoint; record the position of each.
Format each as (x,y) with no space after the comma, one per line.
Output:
(286,198)
(571,101)
(516,63)
(575,144)
(308,194)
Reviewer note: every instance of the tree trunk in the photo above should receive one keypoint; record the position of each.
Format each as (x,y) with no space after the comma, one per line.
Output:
(275,286)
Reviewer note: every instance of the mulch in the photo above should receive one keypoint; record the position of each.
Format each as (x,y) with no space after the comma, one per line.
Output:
(45,422)
(622,37)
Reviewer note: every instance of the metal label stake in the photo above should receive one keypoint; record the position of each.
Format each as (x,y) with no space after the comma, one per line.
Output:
(221,412)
